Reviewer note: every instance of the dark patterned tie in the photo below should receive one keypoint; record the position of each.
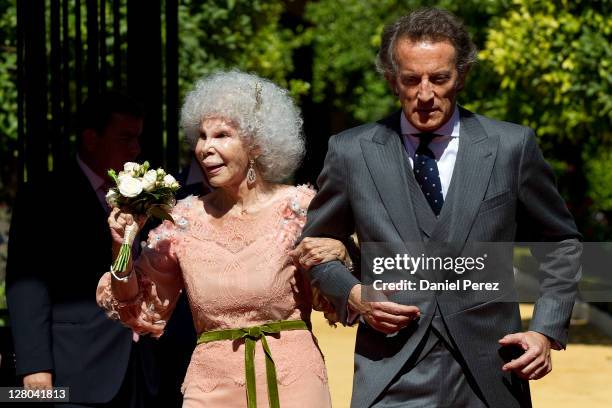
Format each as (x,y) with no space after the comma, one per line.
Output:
(426,172)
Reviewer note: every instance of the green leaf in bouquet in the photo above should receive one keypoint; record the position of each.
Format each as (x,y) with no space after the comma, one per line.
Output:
(159,212)
(113,175)
(121,201)
(147,201)
(151,195)
(136,206)
(147,196)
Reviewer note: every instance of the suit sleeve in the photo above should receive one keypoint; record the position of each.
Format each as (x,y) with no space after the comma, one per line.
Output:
(27,292)
(330,215)
(543,218)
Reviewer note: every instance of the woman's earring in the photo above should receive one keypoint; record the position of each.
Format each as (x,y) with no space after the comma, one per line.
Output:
(251,176)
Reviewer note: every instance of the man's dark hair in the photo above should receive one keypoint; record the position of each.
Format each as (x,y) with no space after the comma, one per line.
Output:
(97,110)
(430,24)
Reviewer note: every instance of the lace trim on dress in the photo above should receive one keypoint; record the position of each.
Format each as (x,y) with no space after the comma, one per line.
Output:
(292,216)
(141,313)
(238,232)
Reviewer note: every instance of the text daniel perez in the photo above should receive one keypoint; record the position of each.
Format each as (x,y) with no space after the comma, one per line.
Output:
(411,264)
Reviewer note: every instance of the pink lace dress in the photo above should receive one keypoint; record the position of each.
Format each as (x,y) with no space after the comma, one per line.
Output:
(237,273)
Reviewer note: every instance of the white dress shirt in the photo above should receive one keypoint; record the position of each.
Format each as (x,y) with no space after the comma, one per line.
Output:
(444,147)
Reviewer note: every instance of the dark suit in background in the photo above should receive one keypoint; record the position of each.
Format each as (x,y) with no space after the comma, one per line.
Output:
(59,248)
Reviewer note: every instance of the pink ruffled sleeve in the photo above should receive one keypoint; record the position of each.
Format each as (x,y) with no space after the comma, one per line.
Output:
(293,215)
(160,282)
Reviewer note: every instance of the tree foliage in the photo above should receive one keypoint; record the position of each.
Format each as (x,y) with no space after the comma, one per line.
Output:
(8,71)
(554,61)
(345,37)
(244,34)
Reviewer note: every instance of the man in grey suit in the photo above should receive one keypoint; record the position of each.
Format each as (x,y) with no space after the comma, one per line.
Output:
(435,172)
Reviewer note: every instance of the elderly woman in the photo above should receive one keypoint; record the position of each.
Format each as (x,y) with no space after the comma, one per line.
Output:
(231,252)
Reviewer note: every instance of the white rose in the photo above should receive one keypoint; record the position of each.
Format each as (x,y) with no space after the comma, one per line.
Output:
(168,180)
(129,186)
(161,173)
(149,179)
(129,167)
(111,198)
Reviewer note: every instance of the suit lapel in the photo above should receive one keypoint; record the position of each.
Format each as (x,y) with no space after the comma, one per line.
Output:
(386,160)
(475,158)
(90,197)
(401,195)
(91,213)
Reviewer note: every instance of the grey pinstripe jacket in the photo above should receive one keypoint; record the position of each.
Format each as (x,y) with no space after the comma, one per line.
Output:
(501,188)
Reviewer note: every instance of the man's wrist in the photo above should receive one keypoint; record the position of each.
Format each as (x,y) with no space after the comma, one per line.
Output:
(553,344)
(354,299)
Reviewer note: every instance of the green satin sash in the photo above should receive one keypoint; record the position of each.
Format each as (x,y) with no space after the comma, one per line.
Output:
(251,335)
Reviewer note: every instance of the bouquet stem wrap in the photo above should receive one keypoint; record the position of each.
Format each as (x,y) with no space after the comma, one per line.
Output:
(125,252)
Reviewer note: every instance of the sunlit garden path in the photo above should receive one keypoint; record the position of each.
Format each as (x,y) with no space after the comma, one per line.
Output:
(581,374)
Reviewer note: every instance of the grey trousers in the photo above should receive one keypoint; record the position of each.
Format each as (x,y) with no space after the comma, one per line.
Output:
(435,377)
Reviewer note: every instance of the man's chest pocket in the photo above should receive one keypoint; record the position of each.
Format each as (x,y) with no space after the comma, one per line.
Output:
(496,200)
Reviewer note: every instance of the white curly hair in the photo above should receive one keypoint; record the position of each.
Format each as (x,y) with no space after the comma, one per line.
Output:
(264,113)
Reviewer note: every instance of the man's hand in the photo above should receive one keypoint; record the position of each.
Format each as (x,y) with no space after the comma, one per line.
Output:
(387,317)
(38,381)
(535,363)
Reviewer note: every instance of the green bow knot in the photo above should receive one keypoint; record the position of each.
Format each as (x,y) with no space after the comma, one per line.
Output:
(255,332)
(251,335)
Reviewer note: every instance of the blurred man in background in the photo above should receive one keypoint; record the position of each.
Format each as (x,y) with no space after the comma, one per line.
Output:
(58,249)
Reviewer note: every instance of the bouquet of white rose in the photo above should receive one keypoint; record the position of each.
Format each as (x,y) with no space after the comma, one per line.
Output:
(140,191)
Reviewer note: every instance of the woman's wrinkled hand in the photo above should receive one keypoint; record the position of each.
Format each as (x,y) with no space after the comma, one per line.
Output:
(315,251)
(117,221)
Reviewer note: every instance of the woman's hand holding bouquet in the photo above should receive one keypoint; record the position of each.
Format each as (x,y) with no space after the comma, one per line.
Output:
(139,193)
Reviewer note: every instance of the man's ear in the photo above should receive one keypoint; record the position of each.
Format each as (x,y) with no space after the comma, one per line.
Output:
(461,79)
(89,140)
